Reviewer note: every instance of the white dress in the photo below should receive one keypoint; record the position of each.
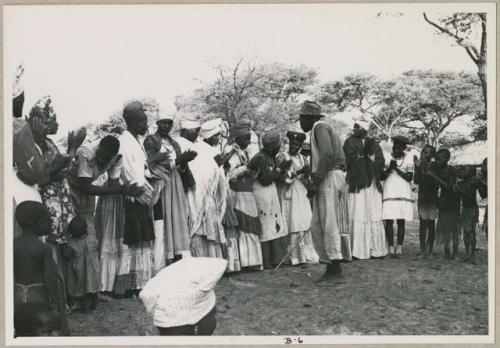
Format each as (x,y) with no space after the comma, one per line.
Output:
(398,201)
(297,213)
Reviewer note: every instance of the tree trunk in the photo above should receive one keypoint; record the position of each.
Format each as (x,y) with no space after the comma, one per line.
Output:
(482,77)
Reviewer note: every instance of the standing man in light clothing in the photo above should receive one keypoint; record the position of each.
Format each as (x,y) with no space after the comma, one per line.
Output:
(330,199)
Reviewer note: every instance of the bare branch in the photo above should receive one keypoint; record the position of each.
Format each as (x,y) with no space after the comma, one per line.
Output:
(458,39)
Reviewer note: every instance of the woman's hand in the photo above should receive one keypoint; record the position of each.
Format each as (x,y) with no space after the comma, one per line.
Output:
(75,140)
(160,157)
(185,157)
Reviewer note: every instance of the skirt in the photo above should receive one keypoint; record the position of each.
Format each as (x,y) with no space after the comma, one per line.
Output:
(274,251)
(447,227)
(109,224)
(427,211)
(232,249)
(250,249)
(366,226)
(301,248)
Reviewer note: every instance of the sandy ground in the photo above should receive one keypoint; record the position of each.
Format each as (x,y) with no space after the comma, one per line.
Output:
(406,296)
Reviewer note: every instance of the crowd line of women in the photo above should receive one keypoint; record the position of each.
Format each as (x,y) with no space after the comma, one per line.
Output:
(162,198)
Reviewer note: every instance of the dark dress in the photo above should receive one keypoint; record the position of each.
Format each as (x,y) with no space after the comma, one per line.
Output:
(428,189)
(449,208)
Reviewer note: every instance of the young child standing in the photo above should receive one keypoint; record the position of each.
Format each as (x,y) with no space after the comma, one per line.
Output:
(467,188)
(427,199)
(83,272)
(36,276)
(397,199)
(448,203)
(296,207)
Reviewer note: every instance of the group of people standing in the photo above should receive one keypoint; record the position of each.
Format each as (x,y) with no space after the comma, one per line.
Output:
(162,198)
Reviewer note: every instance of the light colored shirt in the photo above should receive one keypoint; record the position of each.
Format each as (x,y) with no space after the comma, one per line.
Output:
(134,160)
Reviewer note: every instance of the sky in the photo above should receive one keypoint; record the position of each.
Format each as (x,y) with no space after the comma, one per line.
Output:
(91,59)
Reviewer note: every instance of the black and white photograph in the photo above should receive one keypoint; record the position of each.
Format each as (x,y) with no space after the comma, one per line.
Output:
(290,173)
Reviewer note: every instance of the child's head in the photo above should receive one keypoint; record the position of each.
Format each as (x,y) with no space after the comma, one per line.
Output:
(77,228)
(428,152)
(399,144)
(36,319)
(468,172)
(295,142)
(34,216)
(442,157)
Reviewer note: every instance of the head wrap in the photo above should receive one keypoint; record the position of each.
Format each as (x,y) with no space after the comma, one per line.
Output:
(134,112)
(190,124)
(211,128)
(363,121)
(295,132)
(272,139)
(165,117)
(188,299)
(241,128)
(310,108)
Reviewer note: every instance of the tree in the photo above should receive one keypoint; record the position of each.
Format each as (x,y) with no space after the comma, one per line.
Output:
(436,99)
(115,124)
(250,90)
(468,30)
(380,100)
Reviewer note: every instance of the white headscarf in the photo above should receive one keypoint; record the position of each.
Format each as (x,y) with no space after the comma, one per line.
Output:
(363,121)
(210,128)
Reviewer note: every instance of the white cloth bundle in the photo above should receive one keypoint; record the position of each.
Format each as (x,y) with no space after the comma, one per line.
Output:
(183,293)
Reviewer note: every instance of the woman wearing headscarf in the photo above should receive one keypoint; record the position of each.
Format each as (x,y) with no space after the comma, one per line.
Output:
(206,232)
(398,202)
(55,194)
(293,196)
(365,165)
(241,221)
(171,214)
(274,237)
(136,254)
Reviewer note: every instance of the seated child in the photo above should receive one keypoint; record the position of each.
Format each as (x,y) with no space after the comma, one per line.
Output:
(82,276)
(36,277)
(467,188)
(37,319)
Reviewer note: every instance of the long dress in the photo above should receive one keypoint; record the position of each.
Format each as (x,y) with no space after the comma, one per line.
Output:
(136,259)
(83,270)
(330,219)
(57,198)
(274,237)
(109,224)
(243,240)
(447,228)
(86,167)
(204,202)
(365,199)
(297,212)
(398,201)
(171,212)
